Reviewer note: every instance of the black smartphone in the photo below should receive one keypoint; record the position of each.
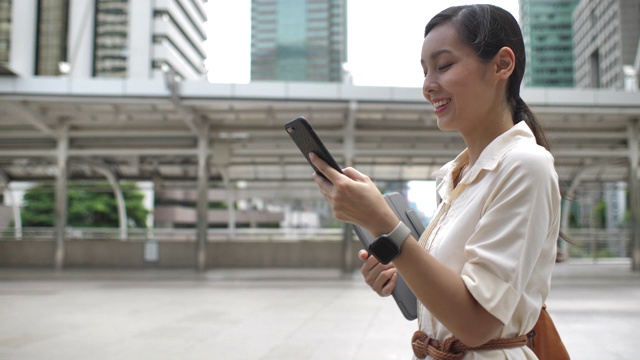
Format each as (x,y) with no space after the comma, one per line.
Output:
(308,141)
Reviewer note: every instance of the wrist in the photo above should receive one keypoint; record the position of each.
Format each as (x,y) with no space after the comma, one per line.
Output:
(384,225)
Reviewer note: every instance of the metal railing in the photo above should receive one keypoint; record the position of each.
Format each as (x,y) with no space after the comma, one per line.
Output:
(159,234)
(599,243)
(590,243)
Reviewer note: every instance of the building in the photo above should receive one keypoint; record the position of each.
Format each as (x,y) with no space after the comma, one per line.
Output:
(606,34)
(546,26)
(298,40)
(102,38)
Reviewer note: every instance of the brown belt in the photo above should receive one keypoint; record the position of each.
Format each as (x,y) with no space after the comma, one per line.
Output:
(453,349)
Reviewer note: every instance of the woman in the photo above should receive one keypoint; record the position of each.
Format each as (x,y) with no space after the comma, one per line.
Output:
(482,270)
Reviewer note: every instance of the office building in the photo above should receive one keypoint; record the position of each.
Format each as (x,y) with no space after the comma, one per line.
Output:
(102,38)
(606,36)
(5,35)
(546,27)
(298,40)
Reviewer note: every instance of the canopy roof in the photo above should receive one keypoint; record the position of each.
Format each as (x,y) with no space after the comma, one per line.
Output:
(149,130)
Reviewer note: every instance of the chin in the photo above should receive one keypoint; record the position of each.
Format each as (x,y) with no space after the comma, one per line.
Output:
(442,125)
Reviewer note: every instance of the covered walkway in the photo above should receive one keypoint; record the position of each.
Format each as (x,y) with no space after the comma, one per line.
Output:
(202,136)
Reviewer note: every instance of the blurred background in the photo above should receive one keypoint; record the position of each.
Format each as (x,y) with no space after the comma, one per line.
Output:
(149,134)
(153,207)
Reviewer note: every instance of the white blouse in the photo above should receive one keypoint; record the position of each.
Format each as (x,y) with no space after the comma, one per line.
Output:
(498,228)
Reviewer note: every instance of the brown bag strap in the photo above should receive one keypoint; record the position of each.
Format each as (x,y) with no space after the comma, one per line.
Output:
(453,349)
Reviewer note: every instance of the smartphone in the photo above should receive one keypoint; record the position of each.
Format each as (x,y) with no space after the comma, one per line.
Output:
(308,141)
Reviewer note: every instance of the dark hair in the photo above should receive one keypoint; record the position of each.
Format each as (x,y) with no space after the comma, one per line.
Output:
(487,29)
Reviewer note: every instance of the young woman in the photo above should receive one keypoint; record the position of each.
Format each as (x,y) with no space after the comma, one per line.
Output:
(482,269)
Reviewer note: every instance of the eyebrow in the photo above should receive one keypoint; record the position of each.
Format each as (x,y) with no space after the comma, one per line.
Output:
(436,54)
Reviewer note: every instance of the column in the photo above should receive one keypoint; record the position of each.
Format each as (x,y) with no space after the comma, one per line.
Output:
(203,197)
(60,215)
(634,196)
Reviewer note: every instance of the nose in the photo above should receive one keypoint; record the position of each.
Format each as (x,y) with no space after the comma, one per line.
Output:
(429,85)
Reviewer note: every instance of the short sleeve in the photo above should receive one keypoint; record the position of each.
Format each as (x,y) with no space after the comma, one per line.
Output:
(516,221)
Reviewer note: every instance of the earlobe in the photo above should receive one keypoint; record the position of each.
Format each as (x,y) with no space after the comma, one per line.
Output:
(505,62)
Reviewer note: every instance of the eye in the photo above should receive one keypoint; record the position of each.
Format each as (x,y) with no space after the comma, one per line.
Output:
(445,67)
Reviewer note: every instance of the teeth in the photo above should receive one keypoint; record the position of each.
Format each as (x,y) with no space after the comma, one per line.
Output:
(441,103)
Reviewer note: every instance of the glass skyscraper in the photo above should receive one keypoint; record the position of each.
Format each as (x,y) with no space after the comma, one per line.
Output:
(548,38)
(298,40)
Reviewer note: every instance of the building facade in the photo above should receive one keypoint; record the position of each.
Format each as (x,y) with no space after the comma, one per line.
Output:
(606,36)
(298,40)
(547,31)
(5,35)
(103,38)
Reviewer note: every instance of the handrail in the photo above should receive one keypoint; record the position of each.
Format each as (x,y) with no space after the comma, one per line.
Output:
(159,234)
(590,242)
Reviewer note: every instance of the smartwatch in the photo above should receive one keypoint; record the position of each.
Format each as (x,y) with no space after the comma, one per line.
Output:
(387,246)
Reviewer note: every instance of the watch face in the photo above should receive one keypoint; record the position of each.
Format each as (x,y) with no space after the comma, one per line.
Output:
(384,250)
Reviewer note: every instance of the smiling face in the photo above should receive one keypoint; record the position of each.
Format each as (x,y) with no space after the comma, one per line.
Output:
(457,83)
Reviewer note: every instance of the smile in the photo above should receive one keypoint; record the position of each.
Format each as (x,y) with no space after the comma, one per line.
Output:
(441,103)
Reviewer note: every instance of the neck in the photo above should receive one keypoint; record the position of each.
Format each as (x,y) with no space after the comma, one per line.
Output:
(481,136)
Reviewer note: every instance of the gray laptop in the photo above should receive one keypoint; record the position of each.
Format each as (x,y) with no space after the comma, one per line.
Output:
(402,294)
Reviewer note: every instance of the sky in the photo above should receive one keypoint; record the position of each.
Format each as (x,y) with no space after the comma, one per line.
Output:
(384,39)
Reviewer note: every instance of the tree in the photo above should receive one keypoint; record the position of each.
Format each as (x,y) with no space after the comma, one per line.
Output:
(93,206)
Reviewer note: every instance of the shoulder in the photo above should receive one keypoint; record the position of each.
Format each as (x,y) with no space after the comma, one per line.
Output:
(528,157)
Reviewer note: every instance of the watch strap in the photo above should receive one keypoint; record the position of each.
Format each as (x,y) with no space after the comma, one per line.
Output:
(399,234)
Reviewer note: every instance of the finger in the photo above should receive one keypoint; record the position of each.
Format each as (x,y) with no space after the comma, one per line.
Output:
(390,285)
(381,282)
(369,265)
(330,173)
(370,273)
(323,183)
(363,254)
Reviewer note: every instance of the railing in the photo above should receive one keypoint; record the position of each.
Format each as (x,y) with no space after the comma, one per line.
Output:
(590,243)
(599,243)
(241,234)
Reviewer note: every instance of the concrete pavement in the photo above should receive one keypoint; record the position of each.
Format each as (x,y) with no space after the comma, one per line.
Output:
(271,314)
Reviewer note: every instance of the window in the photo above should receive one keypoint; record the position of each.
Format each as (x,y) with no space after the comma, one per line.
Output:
(112,22)
(52,30)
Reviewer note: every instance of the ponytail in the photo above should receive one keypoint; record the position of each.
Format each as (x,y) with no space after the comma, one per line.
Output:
(520,112)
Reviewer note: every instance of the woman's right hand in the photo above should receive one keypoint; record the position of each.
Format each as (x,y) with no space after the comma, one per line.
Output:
(381,278)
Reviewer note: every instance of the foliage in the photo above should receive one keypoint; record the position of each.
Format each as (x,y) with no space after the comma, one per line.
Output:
(87,207)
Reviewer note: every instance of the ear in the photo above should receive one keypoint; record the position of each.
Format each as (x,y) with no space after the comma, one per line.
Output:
(505,63)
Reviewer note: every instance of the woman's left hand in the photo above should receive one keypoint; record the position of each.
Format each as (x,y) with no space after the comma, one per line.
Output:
(354,198)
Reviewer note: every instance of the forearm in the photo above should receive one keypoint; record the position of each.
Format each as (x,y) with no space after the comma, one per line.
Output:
(443,292)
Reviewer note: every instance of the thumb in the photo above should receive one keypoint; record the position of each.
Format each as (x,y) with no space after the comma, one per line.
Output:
(363,254)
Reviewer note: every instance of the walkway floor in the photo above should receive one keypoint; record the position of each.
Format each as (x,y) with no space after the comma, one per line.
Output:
(270,314)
